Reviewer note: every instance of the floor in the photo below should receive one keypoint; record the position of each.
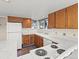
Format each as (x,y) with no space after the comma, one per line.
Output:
(25,50)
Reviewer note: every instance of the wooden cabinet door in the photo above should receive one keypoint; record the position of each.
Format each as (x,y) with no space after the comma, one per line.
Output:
(60,18)
(32,39)
(38,41)
(15,19)
(72,16)
(51,20)
(27,23)
(26,39)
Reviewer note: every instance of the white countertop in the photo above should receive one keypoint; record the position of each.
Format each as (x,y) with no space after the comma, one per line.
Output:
(62,40)
(52,33)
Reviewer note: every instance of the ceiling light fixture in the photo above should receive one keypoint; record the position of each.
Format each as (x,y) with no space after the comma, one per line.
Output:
(7,0)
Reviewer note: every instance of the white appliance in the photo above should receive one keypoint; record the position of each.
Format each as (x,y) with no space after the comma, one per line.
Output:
(15,32)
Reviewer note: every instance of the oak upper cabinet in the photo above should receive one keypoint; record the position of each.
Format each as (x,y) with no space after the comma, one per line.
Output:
(64,18)
(14,19)
(27,23)
(38,41)
(72,16)
(60,18)
(51,20)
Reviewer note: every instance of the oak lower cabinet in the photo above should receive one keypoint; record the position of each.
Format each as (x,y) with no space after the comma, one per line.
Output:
(72,16)
(27,23)
(32,39)
(38,41)
(51,20)
(60,18)
(26,40)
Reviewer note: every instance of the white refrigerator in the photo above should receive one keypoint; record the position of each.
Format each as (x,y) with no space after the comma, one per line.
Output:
(15,32)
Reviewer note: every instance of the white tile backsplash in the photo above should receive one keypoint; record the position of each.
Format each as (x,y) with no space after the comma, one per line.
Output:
(73,33)
(61,33)
(26,31)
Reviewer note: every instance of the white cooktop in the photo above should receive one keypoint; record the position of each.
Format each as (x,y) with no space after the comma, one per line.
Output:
(62,44)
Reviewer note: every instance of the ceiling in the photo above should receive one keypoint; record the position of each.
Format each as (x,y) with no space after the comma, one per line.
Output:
(36,9)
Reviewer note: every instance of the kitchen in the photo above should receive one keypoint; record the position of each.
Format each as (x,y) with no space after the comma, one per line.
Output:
(51,37)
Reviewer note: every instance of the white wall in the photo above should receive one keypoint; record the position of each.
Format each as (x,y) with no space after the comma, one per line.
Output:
(7,46)
(3,22)
(70,33)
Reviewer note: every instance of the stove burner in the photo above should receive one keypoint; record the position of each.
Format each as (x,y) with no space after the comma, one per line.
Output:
(60,51)
(47,57)
(54,46)
(41,52)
